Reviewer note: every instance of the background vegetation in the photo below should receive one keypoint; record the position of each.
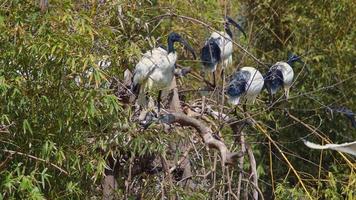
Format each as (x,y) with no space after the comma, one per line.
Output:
(61,125)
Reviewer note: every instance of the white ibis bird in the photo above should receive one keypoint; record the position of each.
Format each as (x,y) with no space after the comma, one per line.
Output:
(218,47)
(155,70)
(280,74)
(247,83)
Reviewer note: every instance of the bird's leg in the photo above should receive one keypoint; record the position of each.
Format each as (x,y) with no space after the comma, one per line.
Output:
(244,107)
(202,106)
(159,102)
(236,110)
(222,73)
(286,92)
(271,97)
(205,80)
(214,79)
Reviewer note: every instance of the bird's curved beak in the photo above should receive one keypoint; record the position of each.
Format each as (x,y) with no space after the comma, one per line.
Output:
(232,22)
(187,46)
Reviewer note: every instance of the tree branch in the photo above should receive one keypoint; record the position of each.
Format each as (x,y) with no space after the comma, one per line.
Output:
(205,133)
(35,158)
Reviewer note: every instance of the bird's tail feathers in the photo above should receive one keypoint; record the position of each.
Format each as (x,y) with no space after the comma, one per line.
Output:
(135,89)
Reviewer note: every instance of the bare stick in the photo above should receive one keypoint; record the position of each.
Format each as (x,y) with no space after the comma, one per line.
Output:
(258,126)
(271,165)
(258,189)
(182,159)
(241,163)
(327,140)
(129,177)
(207,26)
(206,134)
(253,170)
(38,159)
(167,175)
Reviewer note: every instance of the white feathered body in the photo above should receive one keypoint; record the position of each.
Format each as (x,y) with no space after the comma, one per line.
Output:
(288,73)
(251,80)
(254,84)
(155,69)
(224,41)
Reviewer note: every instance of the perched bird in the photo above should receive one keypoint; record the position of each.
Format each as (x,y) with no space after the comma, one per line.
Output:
(156,68)
(347,112)
(247,83)
(218,47)
(280,74)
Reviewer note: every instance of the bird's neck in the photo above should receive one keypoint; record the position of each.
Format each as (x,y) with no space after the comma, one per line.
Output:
(228,30)
(290,62)
(171,46)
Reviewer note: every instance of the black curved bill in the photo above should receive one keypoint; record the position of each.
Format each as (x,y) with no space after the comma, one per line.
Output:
(186,45)
(294,58)
(231,21)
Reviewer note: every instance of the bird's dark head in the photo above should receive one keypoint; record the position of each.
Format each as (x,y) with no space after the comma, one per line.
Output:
(273,80)
(230,21)
(175,37)
(235,90)
(292,58)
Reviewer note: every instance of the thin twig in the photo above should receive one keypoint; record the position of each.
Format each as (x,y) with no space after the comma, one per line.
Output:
(253,170)
(36,158)
(284,157)
(170,14)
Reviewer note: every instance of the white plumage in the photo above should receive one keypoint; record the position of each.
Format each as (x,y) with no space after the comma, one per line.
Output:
(288,75)
(247,83)
(224,42)
(218,48)
(155,70)
(254,84)
(281,74)
(345,147)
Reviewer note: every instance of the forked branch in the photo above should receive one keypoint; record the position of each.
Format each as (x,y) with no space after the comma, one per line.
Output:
(206,134)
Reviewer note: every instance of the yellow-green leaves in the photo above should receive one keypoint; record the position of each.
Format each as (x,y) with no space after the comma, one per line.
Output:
(26,127)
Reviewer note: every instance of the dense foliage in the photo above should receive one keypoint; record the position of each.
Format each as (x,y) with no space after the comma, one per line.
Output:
(60,122)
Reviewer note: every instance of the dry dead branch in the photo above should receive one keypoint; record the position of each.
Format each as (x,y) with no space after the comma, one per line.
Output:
(206,134)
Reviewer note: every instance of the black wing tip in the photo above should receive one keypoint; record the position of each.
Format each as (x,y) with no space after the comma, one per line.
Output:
(210,53)
(135,88)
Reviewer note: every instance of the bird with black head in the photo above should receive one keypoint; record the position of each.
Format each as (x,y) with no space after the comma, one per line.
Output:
(218,48)
(156,68)
(279,75)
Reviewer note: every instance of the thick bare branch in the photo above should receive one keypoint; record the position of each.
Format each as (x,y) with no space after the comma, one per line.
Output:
(206,134)
(253,170)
